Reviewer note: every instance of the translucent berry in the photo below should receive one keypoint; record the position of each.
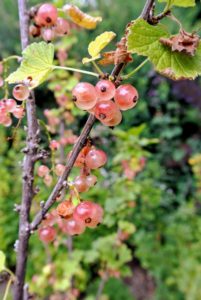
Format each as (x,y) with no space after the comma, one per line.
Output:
(74,226)
(10,105)
(20,92)
(105,89)
(34,31)
(126,96)
(46,15)
(47,234)
(62,26)
(59,169)
(18,112)
(65,209)
(80,183)
(116,120)
(84,95)
(54,145)
(89,212)
(91,180)
(48,180)
(95,159)
(43,171)
(48,34)
(7,121)
(106,110)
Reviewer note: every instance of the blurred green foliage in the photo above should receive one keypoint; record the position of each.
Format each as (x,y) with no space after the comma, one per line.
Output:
(159,209)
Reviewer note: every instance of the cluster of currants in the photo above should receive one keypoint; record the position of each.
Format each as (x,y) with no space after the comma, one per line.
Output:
(104,100)
(46,23)
(10,106)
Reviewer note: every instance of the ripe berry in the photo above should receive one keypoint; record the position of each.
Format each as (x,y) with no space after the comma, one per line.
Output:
(47,234)
(65,209)
(106,110)
(48,34)
(62,26)
(7,121)
(91,180)
(116,120)
(74,226)
(81,184)
(10,105)
(89,212)
(20,92)
(34,31)
(18,112)
(46,15)
(54,145)
(84,95)
(43,171)
(59,169)
(126,96)
(48,180)
(105,90)
(95,159)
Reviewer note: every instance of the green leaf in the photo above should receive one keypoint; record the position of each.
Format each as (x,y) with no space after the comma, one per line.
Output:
(143,39)
(2,261)
(37,63)
(181,3)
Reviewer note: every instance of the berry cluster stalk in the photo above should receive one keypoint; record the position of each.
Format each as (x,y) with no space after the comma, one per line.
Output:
(32,147)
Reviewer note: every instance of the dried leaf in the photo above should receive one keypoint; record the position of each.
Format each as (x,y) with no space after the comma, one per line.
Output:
(80,18)
(183,42)
(121,53)
(108,58)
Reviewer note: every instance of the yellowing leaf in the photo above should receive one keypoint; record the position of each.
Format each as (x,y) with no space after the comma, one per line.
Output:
(80,18)
(2,261)
(144,39)
(181,3)
(36,65)
(100,43)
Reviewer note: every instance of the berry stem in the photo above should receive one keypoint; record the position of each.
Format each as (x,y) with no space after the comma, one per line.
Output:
(100,72)
(7,289)
(76,70)
(135,70)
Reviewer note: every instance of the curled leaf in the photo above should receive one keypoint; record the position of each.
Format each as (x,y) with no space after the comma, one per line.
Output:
(80,18)
(183,42)
(108,58)
(101,41)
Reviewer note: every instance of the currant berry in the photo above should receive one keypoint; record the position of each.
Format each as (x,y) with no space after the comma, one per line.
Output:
(62,26)
(73,226)
(89,212)
(106,110)
(48,34)
(54,145)
(34,31)
(65,209)
(126,96)
(95,159)
(80,184)
(43,171)
(91,180)
(47,234)
(10,105)
(20,92)
(7,121)
(48,180)
(59,169)
(46,15)
(116,120)
(84,95)
(105,89)
(18,112)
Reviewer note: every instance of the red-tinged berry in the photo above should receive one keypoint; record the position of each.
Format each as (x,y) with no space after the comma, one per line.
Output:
(10,105)
(48,34)
(105,89)
(46,15)
(54,145)
(18,112)
(50,219)
(48,180)
(34,31)
(91,180)
(116,120)
(43,171)
(106,110)
(89,212)
(80,184)
(84,95)
(126,96)
(65,209)
(81,157)
(59,169)
(1,82)
(95,159)
(21,92)
(73,226)
(47,234)
(62,26)
(7,121)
